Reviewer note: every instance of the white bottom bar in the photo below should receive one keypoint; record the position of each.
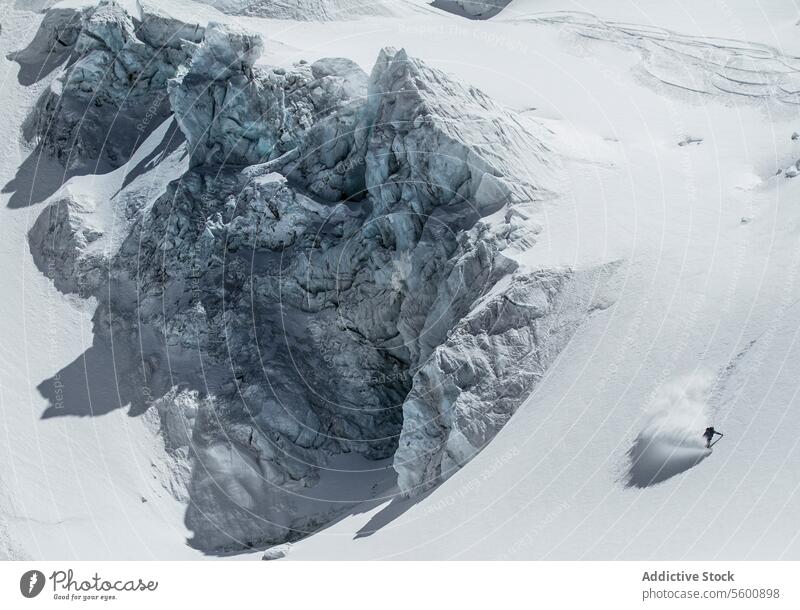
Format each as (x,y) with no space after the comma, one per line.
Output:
(401,585)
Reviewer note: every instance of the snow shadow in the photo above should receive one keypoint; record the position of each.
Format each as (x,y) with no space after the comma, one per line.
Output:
(671,441)
(37,178)
(51,46)
(93,385)
(40,175)
(349,485)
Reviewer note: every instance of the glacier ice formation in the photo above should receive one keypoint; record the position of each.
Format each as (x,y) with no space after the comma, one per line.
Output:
(330,272)
(473,9)
(115,82)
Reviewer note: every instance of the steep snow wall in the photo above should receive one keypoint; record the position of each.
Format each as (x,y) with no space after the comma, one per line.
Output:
(328,277)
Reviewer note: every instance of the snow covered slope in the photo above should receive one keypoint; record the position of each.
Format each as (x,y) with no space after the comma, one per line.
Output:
(538,364)
(684,189)
(70,487)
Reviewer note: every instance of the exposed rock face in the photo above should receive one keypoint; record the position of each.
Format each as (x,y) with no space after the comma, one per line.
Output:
(332,275)
(115,83)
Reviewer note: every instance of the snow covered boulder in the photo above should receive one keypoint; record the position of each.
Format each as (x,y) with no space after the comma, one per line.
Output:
(219,103)
(171,36)
(334,309)
(107,28)
(277,552)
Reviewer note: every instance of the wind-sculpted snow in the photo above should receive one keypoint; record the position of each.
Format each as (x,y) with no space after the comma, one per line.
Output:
(740,70)
(114,83)
(332,275)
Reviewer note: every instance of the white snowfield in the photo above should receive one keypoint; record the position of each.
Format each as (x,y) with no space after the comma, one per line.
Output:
(631,279)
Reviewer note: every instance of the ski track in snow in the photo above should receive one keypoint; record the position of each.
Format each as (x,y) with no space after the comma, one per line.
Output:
(704,65)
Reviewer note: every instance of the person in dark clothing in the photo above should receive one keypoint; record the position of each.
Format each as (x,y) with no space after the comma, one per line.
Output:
(709,434)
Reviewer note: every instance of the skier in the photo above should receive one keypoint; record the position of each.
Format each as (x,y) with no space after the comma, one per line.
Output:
(709,434)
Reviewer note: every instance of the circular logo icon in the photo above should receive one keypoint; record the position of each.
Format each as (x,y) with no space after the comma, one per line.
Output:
(31,583)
